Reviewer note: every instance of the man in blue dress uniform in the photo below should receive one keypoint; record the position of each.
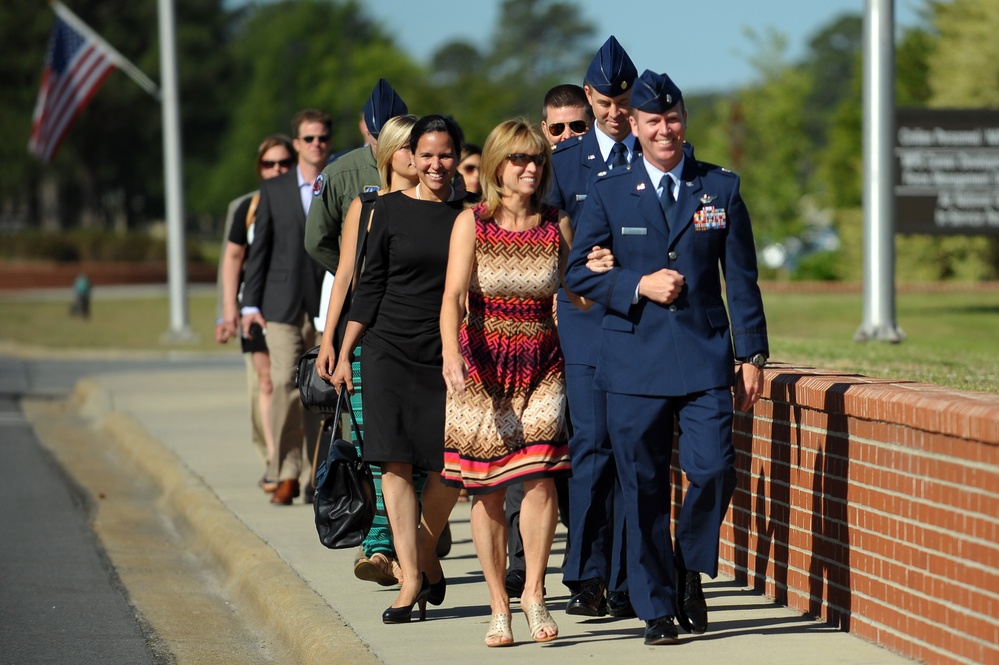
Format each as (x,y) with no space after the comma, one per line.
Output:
(666,349)
(596,545)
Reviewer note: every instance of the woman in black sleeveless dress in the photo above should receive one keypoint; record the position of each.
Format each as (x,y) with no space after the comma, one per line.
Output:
(397,309)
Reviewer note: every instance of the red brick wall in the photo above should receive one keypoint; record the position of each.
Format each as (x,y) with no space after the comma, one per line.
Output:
(874,505)
(18,275)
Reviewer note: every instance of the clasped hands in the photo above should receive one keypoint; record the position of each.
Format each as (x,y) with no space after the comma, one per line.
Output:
(662,286)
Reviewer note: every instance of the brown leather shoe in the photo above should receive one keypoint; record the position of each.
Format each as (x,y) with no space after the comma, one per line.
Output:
(376,569)
(286,492)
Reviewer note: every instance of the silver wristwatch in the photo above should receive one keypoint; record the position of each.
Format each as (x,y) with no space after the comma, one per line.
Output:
(757,359)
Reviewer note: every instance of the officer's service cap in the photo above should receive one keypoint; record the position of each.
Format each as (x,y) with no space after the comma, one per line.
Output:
(611,72)
(383,105)
(655,93)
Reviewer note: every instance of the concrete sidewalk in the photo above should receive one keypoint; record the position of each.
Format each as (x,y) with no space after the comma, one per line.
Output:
(192,425)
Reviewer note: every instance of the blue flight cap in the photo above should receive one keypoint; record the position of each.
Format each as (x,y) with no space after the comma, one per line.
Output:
(383,105)
(611,72)
(655,93)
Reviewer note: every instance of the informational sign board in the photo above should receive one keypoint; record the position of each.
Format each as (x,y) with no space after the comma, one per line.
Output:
(947,171)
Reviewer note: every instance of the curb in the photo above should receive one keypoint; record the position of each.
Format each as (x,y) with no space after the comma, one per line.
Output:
(278,597)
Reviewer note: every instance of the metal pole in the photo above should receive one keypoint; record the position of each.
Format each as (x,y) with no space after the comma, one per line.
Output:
(879,201)
(176,251)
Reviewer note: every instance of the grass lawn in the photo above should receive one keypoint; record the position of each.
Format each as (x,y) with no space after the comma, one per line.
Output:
(132,324)
(951,336)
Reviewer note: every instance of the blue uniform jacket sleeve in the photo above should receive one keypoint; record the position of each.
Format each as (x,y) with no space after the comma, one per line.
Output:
(738,264)
(614,289)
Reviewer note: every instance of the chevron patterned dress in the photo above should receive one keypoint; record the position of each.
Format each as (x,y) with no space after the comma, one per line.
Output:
(509,426)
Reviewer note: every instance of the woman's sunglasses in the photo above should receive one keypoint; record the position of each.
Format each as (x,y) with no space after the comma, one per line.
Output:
(558,128)
(284,163)
(522,159)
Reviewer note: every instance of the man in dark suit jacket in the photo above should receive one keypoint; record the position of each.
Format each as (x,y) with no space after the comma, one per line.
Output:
(594,562)
(666,349)
(281,294)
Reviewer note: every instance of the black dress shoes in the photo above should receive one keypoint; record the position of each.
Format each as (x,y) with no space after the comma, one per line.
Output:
(692,609)
(661,631)
(619,605)
(589,601)
(514,582)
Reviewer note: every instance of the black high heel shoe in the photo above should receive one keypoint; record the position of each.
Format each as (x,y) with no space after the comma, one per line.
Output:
(437,591)
(405,614)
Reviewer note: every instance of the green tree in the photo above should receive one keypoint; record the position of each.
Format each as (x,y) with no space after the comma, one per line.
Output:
(109,168)
(24,29)
(964,71)
(536,44)
(767,142)
(283,66)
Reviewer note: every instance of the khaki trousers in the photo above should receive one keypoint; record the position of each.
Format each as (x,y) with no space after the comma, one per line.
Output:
(253,392)
(295,429)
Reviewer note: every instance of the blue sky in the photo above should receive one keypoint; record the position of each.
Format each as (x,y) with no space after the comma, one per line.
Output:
(701,44)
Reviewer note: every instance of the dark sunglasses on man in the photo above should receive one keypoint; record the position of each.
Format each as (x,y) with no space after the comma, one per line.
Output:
(558,128)
(323,138)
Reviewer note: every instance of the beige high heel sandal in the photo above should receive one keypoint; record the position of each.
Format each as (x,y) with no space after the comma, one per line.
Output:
(500,627)
(538,618)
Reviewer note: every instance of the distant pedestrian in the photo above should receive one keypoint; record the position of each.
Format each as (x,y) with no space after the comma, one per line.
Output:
(281,296)
(275,156)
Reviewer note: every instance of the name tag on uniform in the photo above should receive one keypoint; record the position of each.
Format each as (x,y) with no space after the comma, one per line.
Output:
(580,197)
(634,231)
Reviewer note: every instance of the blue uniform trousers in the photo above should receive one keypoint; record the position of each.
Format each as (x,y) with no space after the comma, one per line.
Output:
(596,530)
(641,432)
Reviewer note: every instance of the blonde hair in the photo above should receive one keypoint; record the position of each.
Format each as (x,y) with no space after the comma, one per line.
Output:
(394,135)
(510,137)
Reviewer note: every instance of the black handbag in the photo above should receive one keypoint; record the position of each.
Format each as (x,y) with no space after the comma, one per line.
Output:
(345,490)
(317,394)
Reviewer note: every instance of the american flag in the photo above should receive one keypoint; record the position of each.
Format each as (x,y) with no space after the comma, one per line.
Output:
(75,67)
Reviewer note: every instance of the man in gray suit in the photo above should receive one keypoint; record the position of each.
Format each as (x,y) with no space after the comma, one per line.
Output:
(281,294)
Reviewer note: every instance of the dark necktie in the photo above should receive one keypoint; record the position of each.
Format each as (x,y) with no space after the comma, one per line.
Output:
(618,156)
(666,198)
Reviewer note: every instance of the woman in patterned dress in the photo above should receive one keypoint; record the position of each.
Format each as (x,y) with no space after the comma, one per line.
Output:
(503,366)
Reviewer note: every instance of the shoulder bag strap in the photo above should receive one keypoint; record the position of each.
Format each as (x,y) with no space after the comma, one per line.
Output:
(251,212)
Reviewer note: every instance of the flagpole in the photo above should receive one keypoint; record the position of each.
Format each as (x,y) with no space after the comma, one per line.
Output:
(176,250)
(120,61)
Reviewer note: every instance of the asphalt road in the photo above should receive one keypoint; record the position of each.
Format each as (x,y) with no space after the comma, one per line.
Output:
(60,599)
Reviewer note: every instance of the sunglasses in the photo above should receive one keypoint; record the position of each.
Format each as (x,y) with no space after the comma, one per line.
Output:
(283,163)
(468,168)
(558,128)
(323,138)
(523,159)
